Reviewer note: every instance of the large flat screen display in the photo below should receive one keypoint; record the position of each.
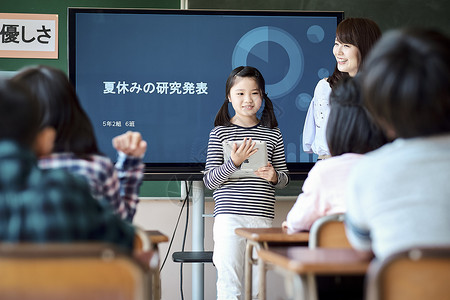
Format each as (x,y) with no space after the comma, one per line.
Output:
(163,73)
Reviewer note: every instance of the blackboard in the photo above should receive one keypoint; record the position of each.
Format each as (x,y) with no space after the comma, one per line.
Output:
(388,14)
(171,190)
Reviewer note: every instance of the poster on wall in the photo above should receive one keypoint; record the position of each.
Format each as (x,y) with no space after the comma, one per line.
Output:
(28,35)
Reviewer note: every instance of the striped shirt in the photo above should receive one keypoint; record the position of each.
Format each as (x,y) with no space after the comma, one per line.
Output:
(251,196)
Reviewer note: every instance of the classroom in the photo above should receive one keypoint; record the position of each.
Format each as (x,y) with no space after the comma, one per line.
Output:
(162,205)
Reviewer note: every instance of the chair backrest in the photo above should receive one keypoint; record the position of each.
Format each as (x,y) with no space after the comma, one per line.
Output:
(421,273)
(329,232)
(70,271)
(141,240)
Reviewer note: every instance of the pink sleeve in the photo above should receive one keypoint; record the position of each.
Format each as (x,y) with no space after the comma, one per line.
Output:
(308,207)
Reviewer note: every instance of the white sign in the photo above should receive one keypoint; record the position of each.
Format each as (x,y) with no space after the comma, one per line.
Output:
(28,35)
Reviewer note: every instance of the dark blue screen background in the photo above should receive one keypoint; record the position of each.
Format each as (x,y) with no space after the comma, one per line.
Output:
(292,52)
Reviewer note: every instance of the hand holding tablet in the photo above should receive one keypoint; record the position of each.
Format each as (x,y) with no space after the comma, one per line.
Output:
(251,154)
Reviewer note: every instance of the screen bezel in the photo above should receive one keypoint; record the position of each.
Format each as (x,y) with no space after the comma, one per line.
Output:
(186,171)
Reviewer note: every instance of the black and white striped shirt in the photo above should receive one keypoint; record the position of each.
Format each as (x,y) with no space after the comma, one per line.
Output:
(250,196)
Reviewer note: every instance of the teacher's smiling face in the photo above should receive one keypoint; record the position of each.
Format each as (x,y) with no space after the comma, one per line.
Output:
(347,57)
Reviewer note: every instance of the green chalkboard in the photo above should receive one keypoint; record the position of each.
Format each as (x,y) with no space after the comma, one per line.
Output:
(292,189)
(172,189)
(161,189)
(388,14)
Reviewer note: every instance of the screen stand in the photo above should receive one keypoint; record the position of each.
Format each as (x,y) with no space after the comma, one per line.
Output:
(198,233)
(197,256)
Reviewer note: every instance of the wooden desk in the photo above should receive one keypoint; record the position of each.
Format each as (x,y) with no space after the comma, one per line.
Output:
(156,237)
(297,263)
(261,238)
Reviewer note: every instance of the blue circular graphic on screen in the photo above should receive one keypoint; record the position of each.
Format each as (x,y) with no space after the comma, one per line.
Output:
(266,35)
(291,152)
(315,34)
(323,73)
(302,101)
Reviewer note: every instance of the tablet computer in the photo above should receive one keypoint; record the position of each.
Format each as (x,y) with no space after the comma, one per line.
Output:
(250,165)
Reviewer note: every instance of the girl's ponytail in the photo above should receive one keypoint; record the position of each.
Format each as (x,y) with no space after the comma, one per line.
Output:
(268,118)
(223,116)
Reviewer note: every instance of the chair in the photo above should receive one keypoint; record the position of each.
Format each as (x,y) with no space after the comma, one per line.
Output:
(141,240)
(143,243)
(326,232)
(420,273)
(70,271)
(329,232)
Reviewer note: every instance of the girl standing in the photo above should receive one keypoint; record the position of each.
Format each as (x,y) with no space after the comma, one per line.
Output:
(249,201)
(354,39)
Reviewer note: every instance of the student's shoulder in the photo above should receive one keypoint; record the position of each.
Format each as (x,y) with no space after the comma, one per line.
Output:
(61,159)
(271,131)
(61,179)
(218,130)
(375,163)
(222,127)
(340,161)
(383,153)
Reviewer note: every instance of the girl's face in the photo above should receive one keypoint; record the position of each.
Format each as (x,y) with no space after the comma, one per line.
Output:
(246,98)
(347,57)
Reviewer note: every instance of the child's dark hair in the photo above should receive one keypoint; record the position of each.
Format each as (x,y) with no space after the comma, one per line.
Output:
(363,34)
(350,127)
(19,113)
(406,82)
(268,118)
(60,109)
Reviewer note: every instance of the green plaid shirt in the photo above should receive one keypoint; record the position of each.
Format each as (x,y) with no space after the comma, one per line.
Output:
(52,205)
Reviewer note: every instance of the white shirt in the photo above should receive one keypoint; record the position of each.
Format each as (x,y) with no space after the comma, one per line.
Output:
(399,196)
(314,130)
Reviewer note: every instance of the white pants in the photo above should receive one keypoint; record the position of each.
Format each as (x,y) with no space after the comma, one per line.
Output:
(229,254)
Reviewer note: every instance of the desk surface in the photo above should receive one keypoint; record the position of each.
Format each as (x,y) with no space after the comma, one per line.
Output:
(273,234)
(156,237)
(327,261)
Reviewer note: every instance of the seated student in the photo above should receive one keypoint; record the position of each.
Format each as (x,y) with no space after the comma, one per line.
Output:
(44,205)
(76,148)
(350,134)
(399,195)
